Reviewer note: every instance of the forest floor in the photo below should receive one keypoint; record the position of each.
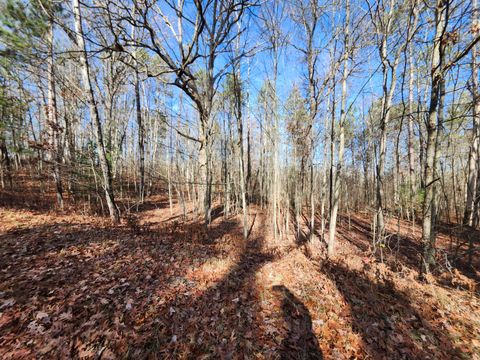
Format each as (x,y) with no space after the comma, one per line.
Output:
(156,287)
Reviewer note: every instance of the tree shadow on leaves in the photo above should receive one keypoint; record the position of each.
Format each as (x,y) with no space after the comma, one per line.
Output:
(92,280)
(405,251)
(464,249)
(30,199)
(390,327)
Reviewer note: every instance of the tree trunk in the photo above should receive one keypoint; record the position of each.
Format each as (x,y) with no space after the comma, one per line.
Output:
(473,155)
(141,139)
(141,131)
(428,188)
(52,115)
(341,148)
(205,196)
(238,106)
(94,115)
(411,151)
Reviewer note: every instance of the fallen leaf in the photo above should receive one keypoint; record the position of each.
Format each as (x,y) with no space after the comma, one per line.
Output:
(7,303)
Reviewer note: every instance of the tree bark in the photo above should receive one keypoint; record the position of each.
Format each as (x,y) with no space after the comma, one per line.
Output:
(52,115)
(473,155)
(141,137)
(411,151)
(238,108)
(94,114)
(428,188)
(341,148)
(141,130)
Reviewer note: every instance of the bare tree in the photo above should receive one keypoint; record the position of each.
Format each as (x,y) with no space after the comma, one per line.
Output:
(55,129)
(336,176)
(94,113)
(272,20)
(384,21)
(199,34)
(309,15)
(435,120)
(470,218)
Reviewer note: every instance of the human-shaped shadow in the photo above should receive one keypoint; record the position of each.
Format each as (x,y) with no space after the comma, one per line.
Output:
(300,342)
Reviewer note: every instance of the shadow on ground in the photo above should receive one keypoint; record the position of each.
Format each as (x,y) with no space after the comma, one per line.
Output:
(390,327)
(300,342)
(404,250)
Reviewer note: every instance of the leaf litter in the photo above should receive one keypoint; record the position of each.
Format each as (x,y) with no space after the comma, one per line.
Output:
(76,287)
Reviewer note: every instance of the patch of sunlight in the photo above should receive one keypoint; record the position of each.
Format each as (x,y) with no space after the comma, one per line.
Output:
(91,250)
(212,270)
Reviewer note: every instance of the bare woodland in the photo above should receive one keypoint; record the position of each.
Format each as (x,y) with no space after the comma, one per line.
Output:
(239,179)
